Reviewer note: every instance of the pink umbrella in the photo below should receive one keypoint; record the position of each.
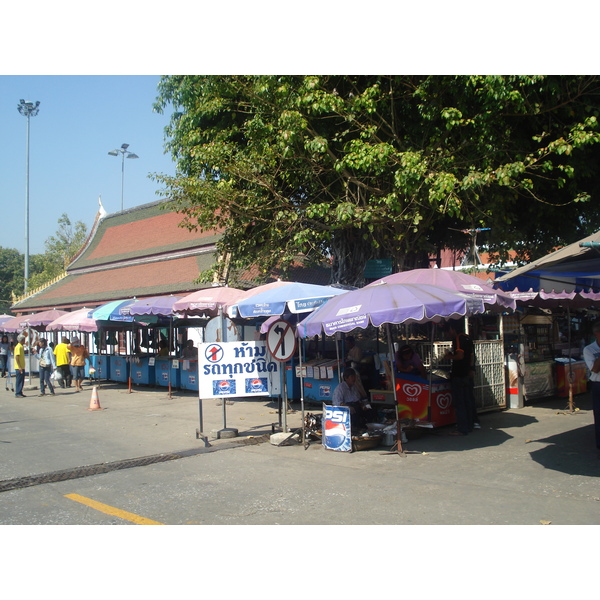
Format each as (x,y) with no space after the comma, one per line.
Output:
(207,301)
(455,281)
(34,321)
(74,321)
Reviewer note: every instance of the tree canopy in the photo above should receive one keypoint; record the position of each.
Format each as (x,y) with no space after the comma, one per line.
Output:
(61,248)
(360,167)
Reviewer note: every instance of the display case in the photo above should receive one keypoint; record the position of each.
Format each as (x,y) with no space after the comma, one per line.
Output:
(539,338)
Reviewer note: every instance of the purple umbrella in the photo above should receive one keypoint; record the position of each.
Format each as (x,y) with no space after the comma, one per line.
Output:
(455,281)
(382,303)
(4,319)
(157,305)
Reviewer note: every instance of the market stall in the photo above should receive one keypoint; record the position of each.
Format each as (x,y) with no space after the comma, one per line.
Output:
(546,340)
(383,304)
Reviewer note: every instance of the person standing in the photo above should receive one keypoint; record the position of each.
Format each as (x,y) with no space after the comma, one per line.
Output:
(79,355)
(354,354)
(19,366)
(47,365)
(591,356)
(4,353)
(461,377)
(63,361)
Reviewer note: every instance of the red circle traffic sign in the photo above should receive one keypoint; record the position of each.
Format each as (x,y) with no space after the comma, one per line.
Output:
(281,340)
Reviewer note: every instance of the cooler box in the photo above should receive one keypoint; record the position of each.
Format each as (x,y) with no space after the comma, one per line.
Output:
(164,367)
(412,395)
(316,390)
(142,372)
(100,362)
(118,369)
(188,377)
(563,370)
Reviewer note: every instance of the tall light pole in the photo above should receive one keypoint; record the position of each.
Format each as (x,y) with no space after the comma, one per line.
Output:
(124,154)
(27,109)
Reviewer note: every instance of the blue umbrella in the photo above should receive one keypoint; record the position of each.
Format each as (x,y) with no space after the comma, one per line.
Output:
(293,298)
(113,311)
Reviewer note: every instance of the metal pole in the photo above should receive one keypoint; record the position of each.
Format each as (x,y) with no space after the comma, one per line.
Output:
(28,110)
(27,206)
(122,176)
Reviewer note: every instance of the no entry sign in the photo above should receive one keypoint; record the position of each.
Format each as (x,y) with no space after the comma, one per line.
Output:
(281,340)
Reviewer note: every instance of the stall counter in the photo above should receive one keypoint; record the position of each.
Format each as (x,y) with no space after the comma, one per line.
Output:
(165,368)
(118,368)
(412,399)
(563,370)
(142,372)
(188,374)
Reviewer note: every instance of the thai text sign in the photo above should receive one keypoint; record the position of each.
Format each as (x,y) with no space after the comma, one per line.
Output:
(236,370)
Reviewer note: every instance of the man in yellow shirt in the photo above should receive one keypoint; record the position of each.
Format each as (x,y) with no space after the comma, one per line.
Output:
(63,361)
(79,354)
(19,353)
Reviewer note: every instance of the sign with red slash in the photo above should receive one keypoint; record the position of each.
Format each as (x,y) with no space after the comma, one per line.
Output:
(281,340)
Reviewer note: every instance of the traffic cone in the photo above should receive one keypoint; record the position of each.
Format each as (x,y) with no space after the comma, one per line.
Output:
(95,401)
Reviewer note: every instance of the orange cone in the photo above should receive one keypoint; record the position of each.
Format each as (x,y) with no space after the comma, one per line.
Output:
(95,401)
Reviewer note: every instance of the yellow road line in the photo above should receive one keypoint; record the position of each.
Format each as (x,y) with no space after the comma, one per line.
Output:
(111,510)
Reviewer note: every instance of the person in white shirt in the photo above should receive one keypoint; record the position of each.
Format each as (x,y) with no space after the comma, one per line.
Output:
(591,356)
(347,393)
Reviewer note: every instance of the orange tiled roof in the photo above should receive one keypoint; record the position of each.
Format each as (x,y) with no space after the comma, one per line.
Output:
(140,252)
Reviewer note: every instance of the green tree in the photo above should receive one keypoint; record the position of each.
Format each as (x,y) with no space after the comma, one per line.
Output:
(12,265)
(359,167)
(61,248)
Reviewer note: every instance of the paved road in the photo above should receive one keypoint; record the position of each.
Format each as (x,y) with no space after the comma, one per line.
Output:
(526,467)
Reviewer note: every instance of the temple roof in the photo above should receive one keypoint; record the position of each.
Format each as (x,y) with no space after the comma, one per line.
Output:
(139,252)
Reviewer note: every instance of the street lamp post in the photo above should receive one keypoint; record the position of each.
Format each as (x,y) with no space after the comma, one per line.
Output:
(27,109)
(124,154)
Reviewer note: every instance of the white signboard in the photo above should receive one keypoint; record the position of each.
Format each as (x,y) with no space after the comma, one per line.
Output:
(237,370)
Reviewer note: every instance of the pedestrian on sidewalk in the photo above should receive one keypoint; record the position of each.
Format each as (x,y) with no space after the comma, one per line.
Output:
(63,362)
(47,365)
(19,359)
(461,377)
(4,352)
(79,355)
(591,356)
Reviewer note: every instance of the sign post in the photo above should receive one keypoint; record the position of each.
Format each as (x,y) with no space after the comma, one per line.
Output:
(281,342)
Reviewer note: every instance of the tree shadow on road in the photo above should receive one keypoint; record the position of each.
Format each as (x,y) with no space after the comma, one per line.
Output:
(572,452)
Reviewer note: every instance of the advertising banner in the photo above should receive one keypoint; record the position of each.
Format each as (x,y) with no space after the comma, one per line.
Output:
(413,399)
(337,433)
(237,369)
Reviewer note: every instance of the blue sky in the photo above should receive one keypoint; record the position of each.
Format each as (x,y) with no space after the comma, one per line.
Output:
(80,119)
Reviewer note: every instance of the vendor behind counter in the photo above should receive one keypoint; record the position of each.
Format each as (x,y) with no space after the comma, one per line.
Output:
(409,362)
